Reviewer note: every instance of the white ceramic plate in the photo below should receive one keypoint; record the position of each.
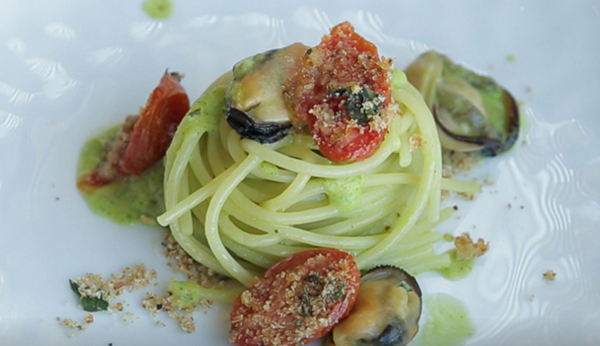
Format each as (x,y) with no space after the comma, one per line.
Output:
(70,68)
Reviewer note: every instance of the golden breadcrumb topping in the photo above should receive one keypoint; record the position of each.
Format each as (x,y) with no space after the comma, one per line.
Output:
(467,249)
(550,275)
(294,313)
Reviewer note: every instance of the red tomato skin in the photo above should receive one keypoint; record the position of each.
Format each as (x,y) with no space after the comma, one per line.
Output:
(352,146)
(342,59)
(153,132)
(336,312)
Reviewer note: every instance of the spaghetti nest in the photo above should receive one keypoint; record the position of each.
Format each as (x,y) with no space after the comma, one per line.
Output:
(238,206)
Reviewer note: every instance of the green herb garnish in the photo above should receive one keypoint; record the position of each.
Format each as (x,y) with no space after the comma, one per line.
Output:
(361,103)
(339,292)
(90,304)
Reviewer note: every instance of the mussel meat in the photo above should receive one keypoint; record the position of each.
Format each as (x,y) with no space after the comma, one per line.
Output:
(472,112)
(386,312)
(256,105)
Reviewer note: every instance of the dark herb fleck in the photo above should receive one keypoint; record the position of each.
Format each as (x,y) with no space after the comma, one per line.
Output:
(360,105)
(339,292)
(89,304)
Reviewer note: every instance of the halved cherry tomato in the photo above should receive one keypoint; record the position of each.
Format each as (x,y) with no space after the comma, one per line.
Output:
(144,139)
(342,74)
(153,132)
(296,301)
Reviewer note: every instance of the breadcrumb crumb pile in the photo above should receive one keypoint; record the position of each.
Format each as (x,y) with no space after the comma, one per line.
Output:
(137,277)
(466,248)
(550,275)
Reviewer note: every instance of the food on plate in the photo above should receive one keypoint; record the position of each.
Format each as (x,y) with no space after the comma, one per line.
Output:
(549,275)
(472,112)
(143,139)
(303,166)
(351,161)
(386,312)
(467,249)
(297,301)
(120,171)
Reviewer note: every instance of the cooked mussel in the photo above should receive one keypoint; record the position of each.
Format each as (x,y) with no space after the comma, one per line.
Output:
(472,112)
(256,105)
(386,312)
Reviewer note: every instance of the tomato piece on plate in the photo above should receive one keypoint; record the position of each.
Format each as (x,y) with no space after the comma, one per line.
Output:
(154,130)
(343,94)
(297,301)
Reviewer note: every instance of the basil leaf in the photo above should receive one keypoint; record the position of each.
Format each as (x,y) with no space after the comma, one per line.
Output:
(93,304)
(89,304)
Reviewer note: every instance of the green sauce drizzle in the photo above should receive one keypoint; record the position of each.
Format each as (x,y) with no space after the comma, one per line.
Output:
(127,201)
(344,193)
(158,9)
(458,268)
(447,322)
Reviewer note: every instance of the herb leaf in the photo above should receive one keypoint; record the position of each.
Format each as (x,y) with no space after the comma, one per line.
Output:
(89,304)
(361,103)
(339,291)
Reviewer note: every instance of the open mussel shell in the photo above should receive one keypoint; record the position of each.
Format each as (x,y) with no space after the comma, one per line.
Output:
(400,276)
(256,105)
(246,127)
(386,312)
(472,112)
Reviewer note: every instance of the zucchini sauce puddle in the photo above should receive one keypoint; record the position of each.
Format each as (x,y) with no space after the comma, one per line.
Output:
(302,188)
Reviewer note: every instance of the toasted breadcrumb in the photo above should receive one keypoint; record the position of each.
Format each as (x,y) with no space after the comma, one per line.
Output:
(130,279)
(469,196)
(95,286)
(128,318)
(457,161)
(195,272)
(72,324)
(115,149)
(415,141)
(160,324)
(185,321)
(300,304)
(467,249)
(549,275)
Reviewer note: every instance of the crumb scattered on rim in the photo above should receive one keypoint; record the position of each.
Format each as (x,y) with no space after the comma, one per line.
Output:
(456,161)
(181,262)
(549,275)
(129,279)
(72,324)
(137,277)
(128,318)
(90,285)
(467,249)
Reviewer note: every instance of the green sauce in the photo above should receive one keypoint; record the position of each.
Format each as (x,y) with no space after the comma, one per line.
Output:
(447,322)
(268,168)
(458,268)
(206,112)
(344,193)
(127,201)
(158,9)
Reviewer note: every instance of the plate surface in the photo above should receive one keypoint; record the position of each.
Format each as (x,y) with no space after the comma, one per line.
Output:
(71,68)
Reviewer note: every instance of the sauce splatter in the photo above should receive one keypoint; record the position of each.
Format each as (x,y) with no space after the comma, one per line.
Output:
(158,9)
(127,201)
(447,322)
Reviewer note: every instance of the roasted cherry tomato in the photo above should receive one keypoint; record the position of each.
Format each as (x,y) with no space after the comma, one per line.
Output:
(153,132)
(143,139)
(296,301)
(343,94)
